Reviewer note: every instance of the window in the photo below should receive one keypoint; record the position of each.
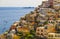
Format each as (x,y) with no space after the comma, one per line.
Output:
(45,27)
(58,35)
(41,30)
(50,35)
(38,30)
(59,16)
(54,1)
(55,35)
(38,34)
(41,33)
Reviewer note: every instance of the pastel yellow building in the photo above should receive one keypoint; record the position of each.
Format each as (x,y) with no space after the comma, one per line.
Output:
(50,28)
(22,29)
(50,13)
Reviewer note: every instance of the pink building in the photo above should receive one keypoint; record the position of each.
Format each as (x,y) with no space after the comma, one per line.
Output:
(45,4)
(50,2)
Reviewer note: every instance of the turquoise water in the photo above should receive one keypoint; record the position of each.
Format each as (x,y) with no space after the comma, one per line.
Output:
(8,15)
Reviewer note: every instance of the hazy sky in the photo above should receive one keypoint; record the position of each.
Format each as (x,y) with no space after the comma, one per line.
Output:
(20,3)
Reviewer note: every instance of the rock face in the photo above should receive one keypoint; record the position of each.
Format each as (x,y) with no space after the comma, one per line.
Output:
(37,24)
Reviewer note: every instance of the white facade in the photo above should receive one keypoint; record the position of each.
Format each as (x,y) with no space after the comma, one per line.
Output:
(53,36)
(56,6)
(56,1)
(41,31)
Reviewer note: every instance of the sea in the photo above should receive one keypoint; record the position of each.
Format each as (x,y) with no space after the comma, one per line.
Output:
(8,15)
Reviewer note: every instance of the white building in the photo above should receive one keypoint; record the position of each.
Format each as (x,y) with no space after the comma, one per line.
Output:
(56,1)
(56,6)
(41,32)
(54,36)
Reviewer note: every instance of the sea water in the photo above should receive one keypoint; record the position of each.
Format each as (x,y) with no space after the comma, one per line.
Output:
(8,15)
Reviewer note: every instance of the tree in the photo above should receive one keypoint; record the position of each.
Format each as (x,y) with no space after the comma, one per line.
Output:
(29,36)
(46,22)
(57,27)
(16,36)
(20,33)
